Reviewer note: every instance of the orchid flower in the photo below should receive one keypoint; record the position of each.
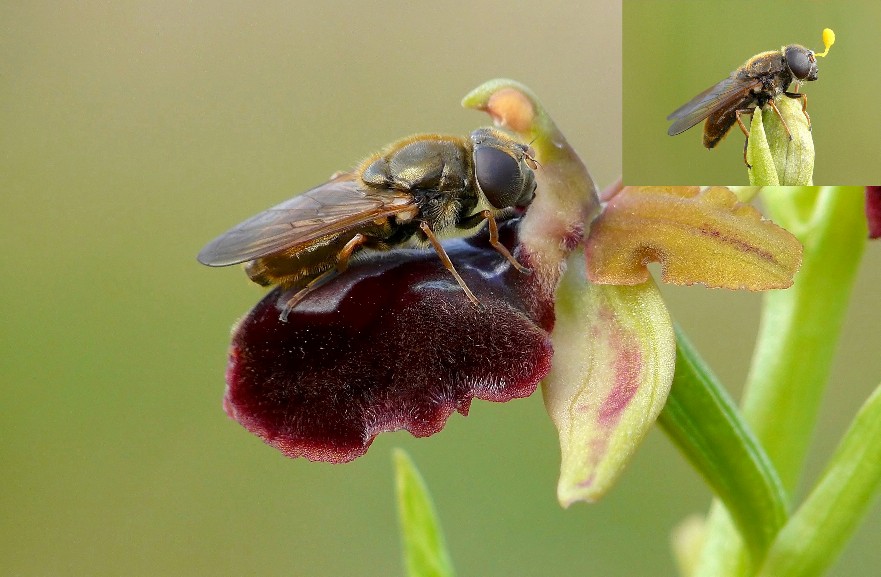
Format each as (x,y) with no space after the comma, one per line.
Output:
(392,344)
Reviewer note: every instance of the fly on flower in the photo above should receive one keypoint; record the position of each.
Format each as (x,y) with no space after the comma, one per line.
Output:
(389,346)
(760,81)
(408,193)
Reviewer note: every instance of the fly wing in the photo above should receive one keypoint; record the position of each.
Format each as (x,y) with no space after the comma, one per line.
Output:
(723,94)
(335,206)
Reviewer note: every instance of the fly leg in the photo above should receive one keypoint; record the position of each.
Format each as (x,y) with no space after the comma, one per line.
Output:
(737,114)
(804,104)
(341,265)
(782,120)
(487,215)
(448,264)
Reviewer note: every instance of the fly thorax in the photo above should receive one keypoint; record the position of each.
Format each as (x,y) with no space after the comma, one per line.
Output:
(406,216)
(440,209)
(376,174)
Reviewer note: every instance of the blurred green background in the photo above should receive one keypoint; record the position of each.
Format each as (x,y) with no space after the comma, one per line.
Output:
(675,50)
(134,133)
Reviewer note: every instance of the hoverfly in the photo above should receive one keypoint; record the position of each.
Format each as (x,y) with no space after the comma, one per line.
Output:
(762,79)
(406,194)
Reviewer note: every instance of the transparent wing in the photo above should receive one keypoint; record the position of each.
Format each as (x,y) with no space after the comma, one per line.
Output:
(335,206)
(701,106)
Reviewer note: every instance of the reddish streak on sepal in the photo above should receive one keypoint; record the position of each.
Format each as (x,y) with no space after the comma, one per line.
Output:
(613,365)
(628,364)
(627,368)
(698,236)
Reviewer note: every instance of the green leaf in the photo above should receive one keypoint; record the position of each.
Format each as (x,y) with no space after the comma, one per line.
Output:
(425,553)
(818,531)
(704,423)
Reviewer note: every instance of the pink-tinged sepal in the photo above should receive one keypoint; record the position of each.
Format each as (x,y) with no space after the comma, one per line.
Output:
(615,352)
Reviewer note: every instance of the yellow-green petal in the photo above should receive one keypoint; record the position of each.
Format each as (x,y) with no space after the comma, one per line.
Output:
(699,237)
(614,355)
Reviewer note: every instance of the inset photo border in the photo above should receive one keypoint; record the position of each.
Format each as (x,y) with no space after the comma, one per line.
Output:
(675,51)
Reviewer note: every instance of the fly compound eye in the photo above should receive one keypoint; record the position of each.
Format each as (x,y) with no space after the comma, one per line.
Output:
(799,61)
(498,175)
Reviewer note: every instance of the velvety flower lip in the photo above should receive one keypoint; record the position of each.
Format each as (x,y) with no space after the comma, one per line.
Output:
(392,344)
(873,210)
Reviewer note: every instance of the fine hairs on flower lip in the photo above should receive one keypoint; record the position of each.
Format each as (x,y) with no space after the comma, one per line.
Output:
(323,384)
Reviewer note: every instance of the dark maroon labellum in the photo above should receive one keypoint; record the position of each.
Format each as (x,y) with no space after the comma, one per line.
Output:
(393,343)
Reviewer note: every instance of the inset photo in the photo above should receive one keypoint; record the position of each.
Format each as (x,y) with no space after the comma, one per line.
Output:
(751,92)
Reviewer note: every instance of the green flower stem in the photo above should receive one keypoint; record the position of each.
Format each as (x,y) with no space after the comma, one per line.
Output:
(796,344)
(814,537)
(703,421)
(425,554)
(800,326)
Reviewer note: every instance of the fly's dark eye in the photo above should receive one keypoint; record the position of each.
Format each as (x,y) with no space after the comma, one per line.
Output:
(498,175)
(799,61)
